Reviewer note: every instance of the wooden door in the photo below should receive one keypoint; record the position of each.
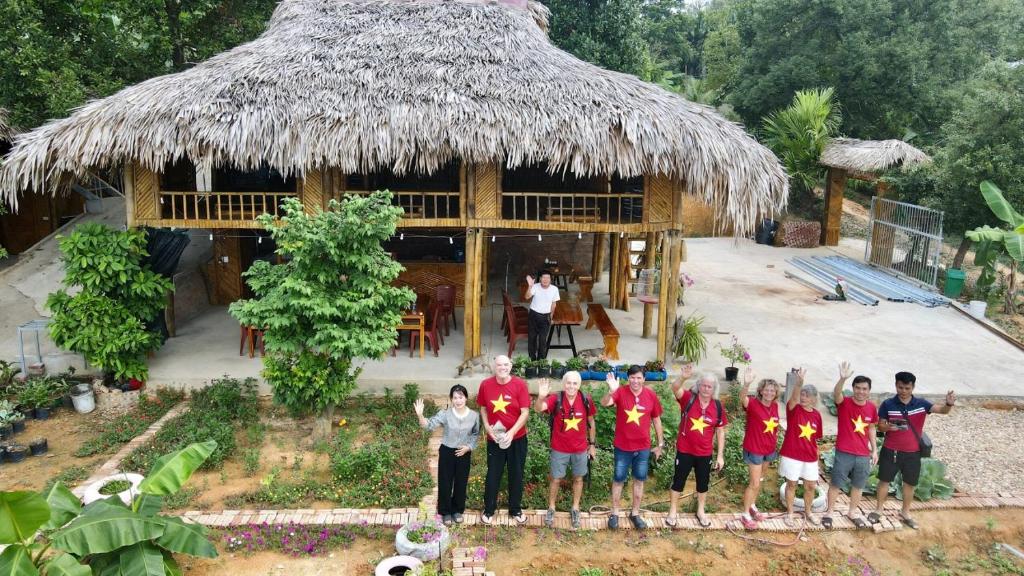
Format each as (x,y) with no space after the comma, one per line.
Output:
(33,222)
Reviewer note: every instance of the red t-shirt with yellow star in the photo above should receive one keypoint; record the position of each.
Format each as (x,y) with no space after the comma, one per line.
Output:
(633,418)
(569,433)
(803,429)
(502,402)
(762,431)
(697,427)
(853,427)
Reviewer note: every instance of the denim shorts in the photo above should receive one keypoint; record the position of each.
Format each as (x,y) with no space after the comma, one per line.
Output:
(637,459)
(758,459)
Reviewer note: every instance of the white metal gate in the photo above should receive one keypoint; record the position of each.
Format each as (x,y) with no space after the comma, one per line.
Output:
(906,239)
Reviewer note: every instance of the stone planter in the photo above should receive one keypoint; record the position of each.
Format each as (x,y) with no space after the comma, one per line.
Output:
(426,550)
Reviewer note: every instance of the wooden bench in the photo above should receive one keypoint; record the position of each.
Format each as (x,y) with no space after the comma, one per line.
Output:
(574,214)
(596,316)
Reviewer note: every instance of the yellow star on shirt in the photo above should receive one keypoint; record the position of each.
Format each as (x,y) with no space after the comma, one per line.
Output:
(806,431)
(572,423)
(698,424)
(770,425)
(633,415)
(499,405)
(859,425)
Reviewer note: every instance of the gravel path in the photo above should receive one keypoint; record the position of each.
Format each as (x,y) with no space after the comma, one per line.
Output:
(981,447)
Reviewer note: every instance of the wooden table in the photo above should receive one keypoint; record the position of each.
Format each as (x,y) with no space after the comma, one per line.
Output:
(413,321)
(566,314)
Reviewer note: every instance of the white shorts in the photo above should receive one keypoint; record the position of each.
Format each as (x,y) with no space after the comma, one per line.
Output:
(794,470)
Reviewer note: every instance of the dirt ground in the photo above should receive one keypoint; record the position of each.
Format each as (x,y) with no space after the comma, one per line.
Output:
(65,431)
(949,543)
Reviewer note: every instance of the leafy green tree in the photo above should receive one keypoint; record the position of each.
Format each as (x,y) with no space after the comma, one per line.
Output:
(106,536)
(992,243)
(675,34)
(105,320)
(798,134)
(609,33)
(329,304)
(894,63)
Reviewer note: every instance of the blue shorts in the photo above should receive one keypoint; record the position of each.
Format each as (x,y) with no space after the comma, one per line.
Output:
(637,459)
(758,459)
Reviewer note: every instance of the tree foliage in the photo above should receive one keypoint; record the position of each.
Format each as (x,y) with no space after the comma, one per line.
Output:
(330,303)
(117,296)
(798,134)
(609,33)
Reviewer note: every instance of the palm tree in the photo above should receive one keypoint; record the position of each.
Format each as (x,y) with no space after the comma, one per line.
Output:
(798,134)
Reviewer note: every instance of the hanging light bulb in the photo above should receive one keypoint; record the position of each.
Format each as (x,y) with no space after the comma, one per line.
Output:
(259,239)
(161,199)
(450,241)
(579,235)
(492,239)
(621,234)
(211,236)
(401,236)
(539,239)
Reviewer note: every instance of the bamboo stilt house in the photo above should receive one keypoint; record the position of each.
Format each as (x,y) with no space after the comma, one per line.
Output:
(463,108)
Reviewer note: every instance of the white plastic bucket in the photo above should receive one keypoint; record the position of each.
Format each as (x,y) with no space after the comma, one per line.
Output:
(83,399)
(977,308)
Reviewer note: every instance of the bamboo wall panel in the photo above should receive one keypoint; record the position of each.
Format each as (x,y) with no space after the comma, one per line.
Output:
(659,203)
(699,219)
(146,188)
(424,277)
(486,191)
(313,192)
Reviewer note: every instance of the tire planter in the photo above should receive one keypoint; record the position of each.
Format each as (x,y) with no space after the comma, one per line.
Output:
(425,551)
(656,376)
(819,504)
(397,565)
(92,491)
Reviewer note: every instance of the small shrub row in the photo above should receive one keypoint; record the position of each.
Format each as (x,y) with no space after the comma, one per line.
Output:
(122,429)
(296,540)
(214,413)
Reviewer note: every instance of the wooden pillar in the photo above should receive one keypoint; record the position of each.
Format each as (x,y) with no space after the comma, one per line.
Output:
(471,309)
(597,264)
(650,250)
(128,187)
(663,295)
(613,259)
(625,274)
(883,238)
(832,215)
(481,294)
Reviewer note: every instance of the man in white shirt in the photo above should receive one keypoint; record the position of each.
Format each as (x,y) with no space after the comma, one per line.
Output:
(542,297)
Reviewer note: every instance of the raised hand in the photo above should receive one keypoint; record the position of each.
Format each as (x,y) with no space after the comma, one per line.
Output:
(613,382)
(801,373)
(687,371)
(418,406)
(749,376)
(950,398)
(544,388)
(845,371)
(529,281)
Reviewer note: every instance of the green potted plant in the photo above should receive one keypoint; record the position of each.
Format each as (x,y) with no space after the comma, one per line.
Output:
(543,368)
(557,369)
(599,370)
(655,370)
(692,344)
(734,353)
(35,395)
(575,363)
(519,365)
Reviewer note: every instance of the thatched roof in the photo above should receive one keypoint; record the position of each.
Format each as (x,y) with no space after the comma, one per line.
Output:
(870,155)
(409,84)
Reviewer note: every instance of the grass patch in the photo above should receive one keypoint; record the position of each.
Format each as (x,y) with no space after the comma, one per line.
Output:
(115,487)
(214,413)
(127,426)
(69,476)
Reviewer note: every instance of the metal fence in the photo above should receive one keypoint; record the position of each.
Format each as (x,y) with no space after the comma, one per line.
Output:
(905,239)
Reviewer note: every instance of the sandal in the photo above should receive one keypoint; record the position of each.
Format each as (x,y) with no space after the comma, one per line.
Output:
(791,522)
(811,519)
(826,521)
(671,521)
(910,522)
(859,522)
(705,523)
(874,517)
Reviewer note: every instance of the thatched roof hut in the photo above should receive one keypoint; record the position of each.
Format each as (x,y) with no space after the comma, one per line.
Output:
(410,85)
(870,155)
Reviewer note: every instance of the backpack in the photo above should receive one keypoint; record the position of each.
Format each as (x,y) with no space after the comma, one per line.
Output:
(557,408)
(693,398)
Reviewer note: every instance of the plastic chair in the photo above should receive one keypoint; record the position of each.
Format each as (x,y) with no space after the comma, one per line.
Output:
(444,295)
(432,331)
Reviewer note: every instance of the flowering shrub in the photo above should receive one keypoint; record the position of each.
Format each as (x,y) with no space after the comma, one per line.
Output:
(736,353)
(294,539)
(424,532)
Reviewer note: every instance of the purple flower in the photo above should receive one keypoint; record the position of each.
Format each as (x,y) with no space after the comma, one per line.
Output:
(746,356)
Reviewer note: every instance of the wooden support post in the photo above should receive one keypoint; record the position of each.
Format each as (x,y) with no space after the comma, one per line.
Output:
(481,297)
(832,216)
(169,315)
(626,274)
(650,249)
(663,295)
(597,264)
(128,185)
(471,310)
(613,268)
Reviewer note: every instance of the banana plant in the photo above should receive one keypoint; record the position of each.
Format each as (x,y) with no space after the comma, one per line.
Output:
(991,243)
(53,535)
